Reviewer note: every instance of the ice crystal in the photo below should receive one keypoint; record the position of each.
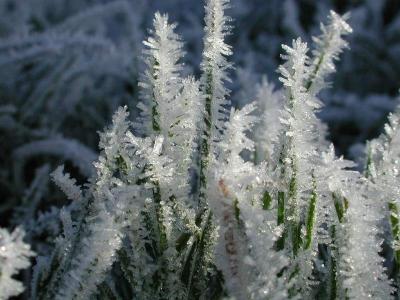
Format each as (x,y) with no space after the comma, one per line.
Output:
(14,256)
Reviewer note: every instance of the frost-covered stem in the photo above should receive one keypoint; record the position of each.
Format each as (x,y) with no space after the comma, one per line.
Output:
(161,81)
(159,226)
(269,104)
(184,138)
(301,141)
(281,211)
(155,115)
(394,224)
(281,218)
(341,205)
(293,74)
(311,215)
(332,284)
(243,215)
(328,46)
(315,70)
(395,227)
(370,173)
(288,212)
(161,85)
(205,150)
(198,249)
(88,246)
(48,288)
(293,222)
(214,67)
(369,163)
(206,138)
(231,244)
(361,273)
(159,217)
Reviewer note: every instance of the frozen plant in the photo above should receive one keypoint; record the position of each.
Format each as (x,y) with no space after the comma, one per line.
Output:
(382,170)
(197,199)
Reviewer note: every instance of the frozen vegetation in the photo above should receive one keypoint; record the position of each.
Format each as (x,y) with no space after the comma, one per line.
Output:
(214,179)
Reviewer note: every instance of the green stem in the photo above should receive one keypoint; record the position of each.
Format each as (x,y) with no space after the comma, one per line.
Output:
(162,236)
(394,222)
(311,216)
(205,140)
(198,251)
(59,268)
(314,73)
(294,225)
(340,206)
(281,219)
(333,268)
(266,200)
(155,116)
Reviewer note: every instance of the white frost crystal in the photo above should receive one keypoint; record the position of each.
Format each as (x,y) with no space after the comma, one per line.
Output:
(14,256)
